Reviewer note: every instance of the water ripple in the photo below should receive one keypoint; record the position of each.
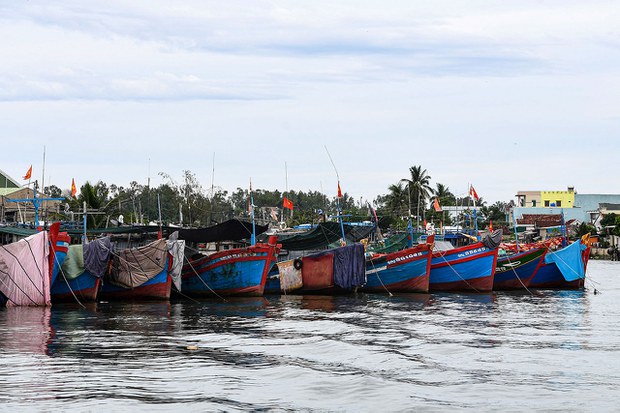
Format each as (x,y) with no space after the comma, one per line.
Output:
(556,351)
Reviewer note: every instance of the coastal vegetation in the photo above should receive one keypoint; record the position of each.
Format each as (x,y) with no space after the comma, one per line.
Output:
(188,203)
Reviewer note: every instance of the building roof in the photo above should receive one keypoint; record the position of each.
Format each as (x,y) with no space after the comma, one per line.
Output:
(540,220)
(7,191)
(7,182)
(609,206)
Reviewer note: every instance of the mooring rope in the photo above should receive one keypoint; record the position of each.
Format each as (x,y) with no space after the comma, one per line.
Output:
(203,281)
(66,280)
(457,273)
(379,278)
(517,276)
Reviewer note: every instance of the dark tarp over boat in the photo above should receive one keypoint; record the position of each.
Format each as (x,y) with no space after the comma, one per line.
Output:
(77,232)
(358,232)
(322,236)
(392,244)
(231,230)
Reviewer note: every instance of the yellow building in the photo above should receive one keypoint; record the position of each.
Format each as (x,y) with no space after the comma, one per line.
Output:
(546,199)
(557,199)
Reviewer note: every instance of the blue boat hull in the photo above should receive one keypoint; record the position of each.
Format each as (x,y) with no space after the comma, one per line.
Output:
(403,271)
(240,272)
(84,288)
(469,268)
(157,288)
(550,276)
(517,270)
(564,268)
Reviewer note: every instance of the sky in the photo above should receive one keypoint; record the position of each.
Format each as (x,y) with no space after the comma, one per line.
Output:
(507,96)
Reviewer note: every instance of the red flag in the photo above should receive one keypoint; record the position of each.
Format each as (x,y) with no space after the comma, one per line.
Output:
(288,204)
(425,224)
(339,191)
(490,226)
(473,192)
(73,188)
(436,205)
(28,174)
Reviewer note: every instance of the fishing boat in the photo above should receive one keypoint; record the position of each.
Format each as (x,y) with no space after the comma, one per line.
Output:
(81,270)
(231,272)
(333,271)
(564,268)
(467,268)
(515,271)
(403,271)
(139,274)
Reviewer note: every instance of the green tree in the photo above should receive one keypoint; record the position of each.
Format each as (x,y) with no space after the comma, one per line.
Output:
(419,187)
(96,199)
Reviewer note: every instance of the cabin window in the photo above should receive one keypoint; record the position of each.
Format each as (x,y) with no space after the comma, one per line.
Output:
(558,203)
(533,203)
(546,203)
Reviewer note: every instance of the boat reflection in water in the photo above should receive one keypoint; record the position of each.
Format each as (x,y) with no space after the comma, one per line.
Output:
(26,330)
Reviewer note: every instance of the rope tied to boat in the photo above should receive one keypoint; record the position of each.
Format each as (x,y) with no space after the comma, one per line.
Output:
(457,273)
(379,278)
(66,280)
(517,276)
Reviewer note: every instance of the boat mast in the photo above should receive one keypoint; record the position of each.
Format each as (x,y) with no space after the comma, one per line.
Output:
(344,239)
(253,238)
(514,219)
(212,189)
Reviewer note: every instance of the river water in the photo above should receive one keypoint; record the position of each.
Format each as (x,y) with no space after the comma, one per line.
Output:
(552,351)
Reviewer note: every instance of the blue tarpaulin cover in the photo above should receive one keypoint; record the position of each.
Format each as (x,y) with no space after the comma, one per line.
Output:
(569,261)
(349,266)
(97,255)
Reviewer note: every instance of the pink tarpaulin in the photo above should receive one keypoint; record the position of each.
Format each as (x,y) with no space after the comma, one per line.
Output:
(24,271)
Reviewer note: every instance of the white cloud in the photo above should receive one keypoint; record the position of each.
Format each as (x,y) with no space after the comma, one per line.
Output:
(462,88)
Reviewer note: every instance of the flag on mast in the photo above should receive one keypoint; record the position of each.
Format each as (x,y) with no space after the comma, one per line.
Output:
(490,226)
(73,188)
(28,174)
(339,191)
(287,203)
(436,205)
(473,193)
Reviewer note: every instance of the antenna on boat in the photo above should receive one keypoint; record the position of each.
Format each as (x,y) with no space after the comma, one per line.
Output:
(212,175)
(84,239)
(159,234)
(514,218)
(43,173)
(338,197)
(285,189)
(253,238)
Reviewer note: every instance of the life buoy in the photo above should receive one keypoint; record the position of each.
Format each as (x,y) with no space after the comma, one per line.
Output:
(297,263)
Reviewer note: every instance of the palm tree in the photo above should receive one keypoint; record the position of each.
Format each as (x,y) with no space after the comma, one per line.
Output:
(445,196)
(419,186)
(95,197)
(396,200)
